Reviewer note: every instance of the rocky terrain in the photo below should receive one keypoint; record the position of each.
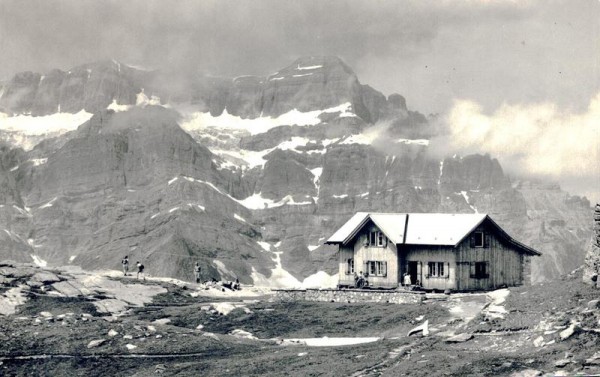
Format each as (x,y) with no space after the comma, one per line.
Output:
(591,267)
(247,175)
(66,320)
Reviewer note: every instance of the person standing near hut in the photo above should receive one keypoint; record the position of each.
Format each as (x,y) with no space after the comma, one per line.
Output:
(197,270)
(125,264)
(407,281)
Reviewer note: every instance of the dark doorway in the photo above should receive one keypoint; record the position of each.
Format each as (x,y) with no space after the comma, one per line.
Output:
(413,270)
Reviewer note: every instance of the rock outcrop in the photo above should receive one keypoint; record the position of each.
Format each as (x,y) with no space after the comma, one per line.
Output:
(591,268)
(90,87)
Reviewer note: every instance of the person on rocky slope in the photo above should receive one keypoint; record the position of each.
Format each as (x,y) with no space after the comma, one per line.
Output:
(125,264)
(140,271)
(197,270)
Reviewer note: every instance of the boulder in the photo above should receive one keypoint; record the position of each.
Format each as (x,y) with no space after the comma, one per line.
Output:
(96,343)
(161,321)
(526,373)
(593,304)
(460,338)
(562,363)
(568,332)
(421,329)
(44,277)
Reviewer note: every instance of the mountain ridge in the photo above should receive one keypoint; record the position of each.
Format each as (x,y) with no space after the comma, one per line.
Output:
(249,194)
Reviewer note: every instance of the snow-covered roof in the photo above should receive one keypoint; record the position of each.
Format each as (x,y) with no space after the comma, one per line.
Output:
(349,228)
(392,224)
(441,229)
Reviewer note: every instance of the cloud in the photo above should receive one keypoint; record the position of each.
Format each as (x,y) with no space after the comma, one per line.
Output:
(537,139)
(430,51)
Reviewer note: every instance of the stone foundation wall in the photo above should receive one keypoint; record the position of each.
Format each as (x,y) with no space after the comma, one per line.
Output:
(349,295)
(591,265)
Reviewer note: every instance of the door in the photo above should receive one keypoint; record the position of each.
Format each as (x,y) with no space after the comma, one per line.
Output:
(414,270)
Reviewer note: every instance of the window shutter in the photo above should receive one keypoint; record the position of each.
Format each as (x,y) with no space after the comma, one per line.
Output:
(472,238)
(473,273)
(384,268)
(447,270)
(385,241)
(486,240)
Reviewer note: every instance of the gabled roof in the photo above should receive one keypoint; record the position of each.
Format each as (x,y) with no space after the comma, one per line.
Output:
(387,222)
(441,229)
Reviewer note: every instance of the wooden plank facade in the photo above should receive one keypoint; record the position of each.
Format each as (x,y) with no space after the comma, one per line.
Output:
(485,259)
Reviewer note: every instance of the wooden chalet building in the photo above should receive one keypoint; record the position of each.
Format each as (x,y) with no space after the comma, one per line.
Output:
(460,252)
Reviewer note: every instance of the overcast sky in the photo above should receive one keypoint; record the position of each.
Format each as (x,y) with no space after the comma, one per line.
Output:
(429,51)
(493,58)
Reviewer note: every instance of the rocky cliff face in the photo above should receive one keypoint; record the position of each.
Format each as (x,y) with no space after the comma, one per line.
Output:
(90,87)
(249,176)
(591,267)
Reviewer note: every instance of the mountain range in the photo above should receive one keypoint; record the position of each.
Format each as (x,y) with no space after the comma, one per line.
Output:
(247,175)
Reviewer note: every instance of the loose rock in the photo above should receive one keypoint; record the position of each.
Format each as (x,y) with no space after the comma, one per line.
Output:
(459,338)
(95,343)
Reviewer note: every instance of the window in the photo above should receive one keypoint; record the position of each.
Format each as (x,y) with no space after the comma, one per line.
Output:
(377,268)
(437,269)
(377,239)
(478,239)
(479,270)
(350,266)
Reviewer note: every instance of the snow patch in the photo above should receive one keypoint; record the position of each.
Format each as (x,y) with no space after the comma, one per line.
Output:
(142,100)
(38,161)
(330,342)
(38,261)
(238,217)
(299,68)
(466,196)
(321,279)
(413,141)
(302,75)
(114,106)
(365,138)
(26,131)
(279,278)
(49,204)
(72,258)
(198,120)
(172,180)
(173,209)
(340,196)
(256,201)
(265,245)
(222,269)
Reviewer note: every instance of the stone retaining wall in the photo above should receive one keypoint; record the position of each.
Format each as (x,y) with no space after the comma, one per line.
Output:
(349,295)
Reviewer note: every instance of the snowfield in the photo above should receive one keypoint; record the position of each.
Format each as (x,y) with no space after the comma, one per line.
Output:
(199,120)
(26,131)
